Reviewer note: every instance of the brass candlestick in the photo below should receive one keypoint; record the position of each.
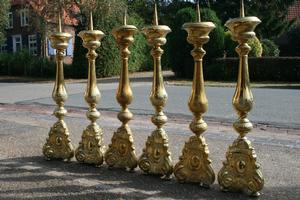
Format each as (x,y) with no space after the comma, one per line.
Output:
(194,164)
(91,149)
(240,170)
(156,157)
(121,151)
(58,145)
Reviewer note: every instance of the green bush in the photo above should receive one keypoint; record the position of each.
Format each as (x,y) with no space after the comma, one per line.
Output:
(140,52)
(256,47)
(230,45)
(285,69)
(291,46)
(108,61)
(269,48)
(179,51)
(80,64)
(215,47)
(24,64)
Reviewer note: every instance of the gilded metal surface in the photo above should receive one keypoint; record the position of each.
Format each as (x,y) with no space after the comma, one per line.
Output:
(91,149)
(58,144)
(121,151)
(156,158)
(240,170)
(194,164)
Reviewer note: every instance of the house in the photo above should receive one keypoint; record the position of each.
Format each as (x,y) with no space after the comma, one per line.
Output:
(294,11)
(24,28)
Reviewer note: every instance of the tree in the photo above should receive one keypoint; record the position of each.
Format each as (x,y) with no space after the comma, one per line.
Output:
(179,51)
(107,15)
(4,8)
(272,13)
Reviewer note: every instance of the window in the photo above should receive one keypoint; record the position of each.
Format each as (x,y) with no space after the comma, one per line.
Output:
(10,20)
(52,51)
(24,17)
(32,44)
(69,50)
(3,48)
(17,43)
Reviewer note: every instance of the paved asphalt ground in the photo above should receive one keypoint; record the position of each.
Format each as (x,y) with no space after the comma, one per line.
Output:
(25,120)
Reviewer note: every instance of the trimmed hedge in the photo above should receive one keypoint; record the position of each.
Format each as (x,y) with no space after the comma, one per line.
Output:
(24,64)
(285,69)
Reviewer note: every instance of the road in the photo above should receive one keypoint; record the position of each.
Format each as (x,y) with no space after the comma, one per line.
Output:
(25,123)
(274,107)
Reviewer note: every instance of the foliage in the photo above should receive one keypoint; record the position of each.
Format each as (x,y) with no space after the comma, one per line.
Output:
(269,48)
(23,63)
(179,56)
(108,15)
(272,14)
(256,47)
(139,58)
(292,46)
(285,69)
(178,50)
(4,8)
(230,45)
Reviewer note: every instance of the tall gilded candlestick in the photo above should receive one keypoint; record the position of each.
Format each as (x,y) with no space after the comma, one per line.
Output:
(91,149)
(194,165)
(58,144)
(156,158)
(121,151)
(240,172)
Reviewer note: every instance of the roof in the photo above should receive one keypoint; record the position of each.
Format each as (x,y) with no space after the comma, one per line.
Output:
(294,11)
(40,7)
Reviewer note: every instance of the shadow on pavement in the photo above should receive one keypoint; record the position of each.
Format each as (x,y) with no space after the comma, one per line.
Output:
(35,178)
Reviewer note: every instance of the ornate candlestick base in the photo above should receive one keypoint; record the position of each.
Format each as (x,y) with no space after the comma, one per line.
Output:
(240,170)
(58,145)
(194,165)
(121,151)
(156,157)
(91,149)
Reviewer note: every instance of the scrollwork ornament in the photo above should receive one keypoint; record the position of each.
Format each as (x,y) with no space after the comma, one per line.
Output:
(194,165)
(58,145)
(156,158)
(121,152)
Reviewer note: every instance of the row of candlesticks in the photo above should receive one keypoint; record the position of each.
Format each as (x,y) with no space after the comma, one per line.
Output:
(240,170)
